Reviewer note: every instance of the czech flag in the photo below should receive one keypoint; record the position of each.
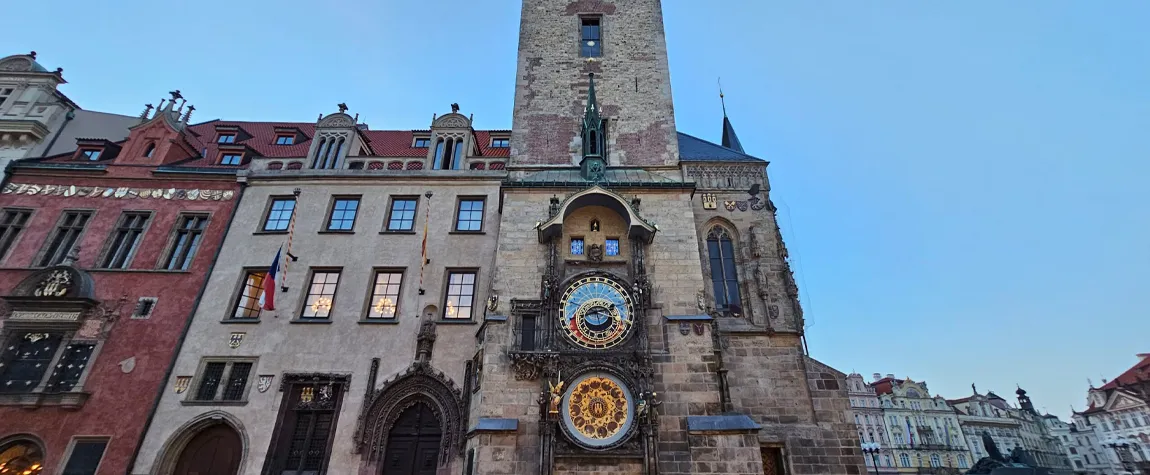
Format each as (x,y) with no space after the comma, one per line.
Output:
(270,283)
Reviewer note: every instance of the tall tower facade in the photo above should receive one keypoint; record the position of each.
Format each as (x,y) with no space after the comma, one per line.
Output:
(622,42)
(634,325)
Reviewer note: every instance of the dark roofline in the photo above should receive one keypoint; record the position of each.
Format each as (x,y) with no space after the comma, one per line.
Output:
(720,146)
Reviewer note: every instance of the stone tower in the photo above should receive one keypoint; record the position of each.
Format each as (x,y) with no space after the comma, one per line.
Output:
(629,329)
(622,42)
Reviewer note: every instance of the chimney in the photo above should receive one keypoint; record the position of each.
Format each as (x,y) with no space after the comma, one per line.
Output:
(877,376)
(890,375)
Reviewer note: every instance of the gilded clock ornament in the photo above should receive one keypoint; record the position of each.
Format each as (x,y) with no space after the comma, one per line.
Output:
(596,312)
(598,410)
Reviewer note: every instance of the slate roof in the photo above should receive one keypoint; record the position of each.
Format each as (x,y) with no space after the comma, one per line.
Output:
(694,149)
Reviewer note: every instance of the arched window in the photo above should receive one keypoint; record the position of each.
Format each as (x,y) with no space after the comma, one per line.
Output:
(320,151)
(724,274)
(935,460)
(457,157)
(149,150)
(21,456)
(904,460)
(961,461)
(438,162)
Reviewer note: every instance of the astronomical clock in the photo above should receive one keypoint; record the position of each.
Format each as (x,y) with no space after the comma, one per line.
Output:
(585,339)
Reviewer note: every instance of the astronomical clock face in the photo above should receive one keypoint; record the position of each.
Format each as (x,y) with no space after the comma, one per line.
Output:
(596,312)
(598,410)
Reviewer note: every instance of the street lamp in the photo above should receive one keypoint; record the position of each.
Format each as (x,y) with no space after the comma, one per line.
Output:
(872,449)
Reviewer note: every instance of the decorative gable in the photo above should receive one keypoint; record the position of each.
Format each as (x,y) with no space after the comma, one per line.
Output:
(1120,401)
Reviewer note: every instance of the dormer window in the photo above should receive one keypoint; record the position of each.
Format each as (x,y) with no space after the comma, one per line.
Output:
(500,143)
(91,154)
(421,142)
(448,154)
(4,94)
(285,139)
(226,138)
(149,150)
(231,158)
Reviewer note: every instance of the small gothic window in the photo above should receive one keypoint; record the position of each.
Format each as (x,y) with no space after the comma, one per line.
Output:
(594,225)
(724,274)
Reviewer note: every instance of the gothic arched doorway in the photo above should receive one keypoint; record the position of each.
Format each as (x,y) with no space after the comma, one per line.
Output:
(413,443)
(215,450)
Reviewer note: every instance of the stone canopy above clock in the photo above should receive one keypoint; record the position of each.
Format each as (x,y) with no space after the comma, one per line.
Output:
(634,224)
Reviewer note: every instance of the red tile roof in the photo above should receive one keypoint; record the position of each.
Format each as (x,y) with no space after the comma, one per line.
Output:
(261,137)
(1140,372)
(885,385)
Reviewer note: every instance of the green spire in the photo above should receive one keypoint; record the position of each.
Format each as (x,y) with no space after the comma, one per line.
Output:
(593,165)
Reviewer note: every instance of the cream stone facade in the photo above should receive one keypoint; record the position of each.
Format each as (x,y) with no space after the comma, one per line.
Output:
(924,430)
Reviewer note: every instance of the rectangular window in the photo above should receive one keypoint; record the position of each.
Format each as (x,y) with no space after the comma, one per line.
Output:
(91,154)
(237,381)
(5,92)
(279,214)
(85,457)
(189,232)
(321,294)
(144,308)
(500,143)
(224,381)
(590,44)
(25,359)
(284,139)
(226,138)
(125,240)
(251,298)
(343,214)
(385,295)
(470,215)
(12,222)
(402,214)
(612,247)
(67,232)
(71,366)
(576,246)
(231,158)
(460,295)
(422,142)
(210,381)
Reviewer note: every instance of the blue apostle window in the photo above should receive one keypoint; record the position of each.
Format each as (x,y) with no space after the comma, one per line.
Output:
(577,246)
(612,247)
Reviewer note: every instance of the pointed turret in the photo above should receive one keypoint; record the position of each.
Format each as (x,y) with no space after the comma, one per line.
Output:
(594,162)
(730,140)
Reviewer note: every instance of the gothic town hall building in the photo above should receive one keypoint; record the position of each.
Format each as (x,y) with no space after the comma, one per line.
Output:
(590,292)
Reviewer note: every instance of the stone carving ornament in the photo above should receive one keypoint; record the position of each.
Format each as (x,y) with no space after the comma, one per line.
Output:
(419,384)
(119,193)
(16,64)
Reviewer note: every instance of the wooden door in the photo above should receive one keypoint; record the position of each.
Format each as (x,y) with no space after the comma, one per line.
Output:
(413,444)
(214,451)
(772,461)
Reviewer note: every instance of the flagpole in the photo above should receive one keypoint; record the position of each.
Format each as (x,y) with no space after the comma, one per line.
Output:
(291,233)
(423,254)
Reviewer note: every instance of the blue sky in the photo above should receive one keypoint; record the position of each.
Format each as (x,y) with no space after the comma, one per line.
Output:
(961,184)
